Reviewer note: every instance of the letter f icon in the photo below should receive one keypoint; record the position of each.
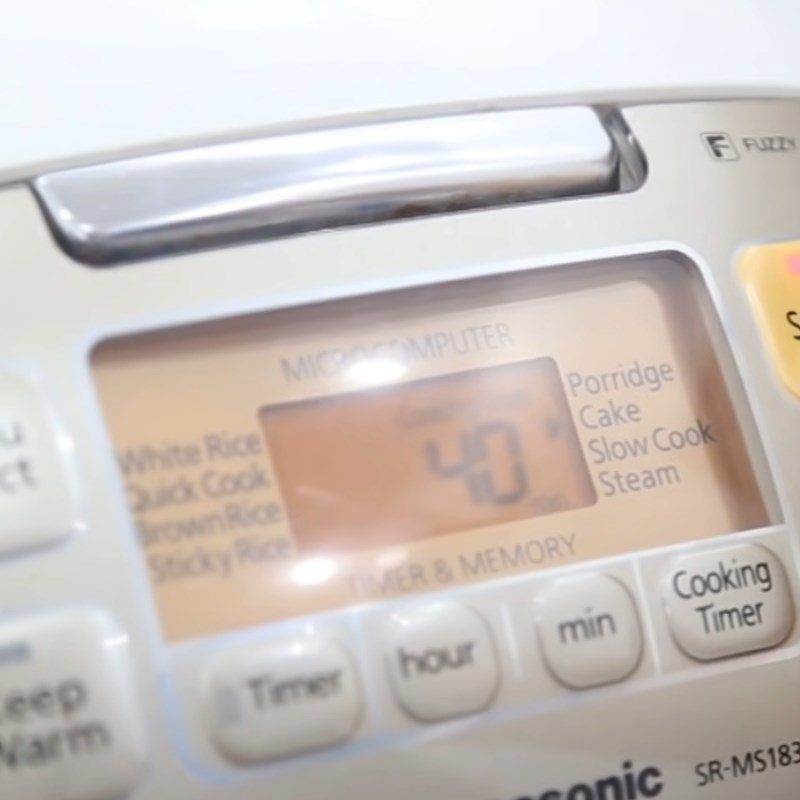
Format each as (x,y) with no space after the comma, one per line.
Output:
(720,146)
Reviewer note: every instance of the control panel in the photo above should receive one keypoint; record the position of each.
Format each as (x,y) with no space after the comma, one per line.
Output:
(453,458)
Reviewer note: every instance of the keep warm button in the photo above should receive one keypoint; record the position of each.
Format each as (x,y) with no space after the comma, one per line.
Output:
(442,661)
(70,728)
(727,601)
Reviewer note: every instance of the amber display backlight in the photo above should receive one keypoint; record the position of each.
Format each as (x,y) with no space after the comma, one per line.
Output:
(307,459)
(427,458)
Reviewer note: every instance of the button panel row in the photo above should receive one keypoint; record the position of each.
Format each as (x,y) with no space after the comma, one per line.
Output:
(70,729)
(276,699)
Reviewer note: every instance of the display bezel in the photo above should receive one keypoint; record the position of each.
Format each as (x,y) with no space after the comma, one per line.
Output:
(312,319)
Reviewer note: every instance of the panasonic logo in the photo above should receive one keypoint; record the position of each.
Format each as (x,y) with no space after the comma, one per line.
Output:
(629,784)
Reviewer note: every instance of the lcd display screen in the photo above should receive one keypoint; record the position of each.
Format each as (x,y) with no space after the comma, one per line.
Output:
(427,458)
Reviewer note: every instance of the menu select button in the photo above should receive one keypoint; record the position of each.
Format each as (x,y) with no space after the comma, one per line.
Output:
(37,503)
(727,601)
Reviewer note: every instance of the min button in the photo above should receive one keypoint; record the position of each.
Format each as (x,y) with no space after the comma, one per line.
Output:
(441,661)
(589,630)
(727,601)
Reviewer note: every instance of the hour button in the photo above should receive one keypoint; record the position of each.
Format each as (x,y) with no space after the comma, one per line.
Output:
(441,661)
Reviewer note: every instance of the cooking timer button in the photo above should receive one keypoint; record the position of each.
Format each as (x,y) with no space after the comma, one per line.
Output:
(727,600)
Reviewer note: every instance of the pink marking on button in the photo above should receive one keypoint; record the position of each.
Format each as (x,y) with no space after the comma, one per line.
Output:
(794,263)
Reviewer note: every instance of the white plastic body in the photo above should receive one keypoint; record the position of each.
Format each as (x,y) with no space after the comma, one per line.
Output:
(83,81)
(673,713)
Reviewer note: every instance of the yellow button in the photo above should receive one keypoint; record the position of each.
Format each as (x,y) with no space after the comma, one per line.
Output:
(771,274)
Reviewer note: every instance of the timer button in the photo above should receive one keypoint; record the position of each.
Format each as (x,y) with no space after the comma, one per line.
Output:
(727,601)
(274,700)
(589,630)
(36,498)
(442,661)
